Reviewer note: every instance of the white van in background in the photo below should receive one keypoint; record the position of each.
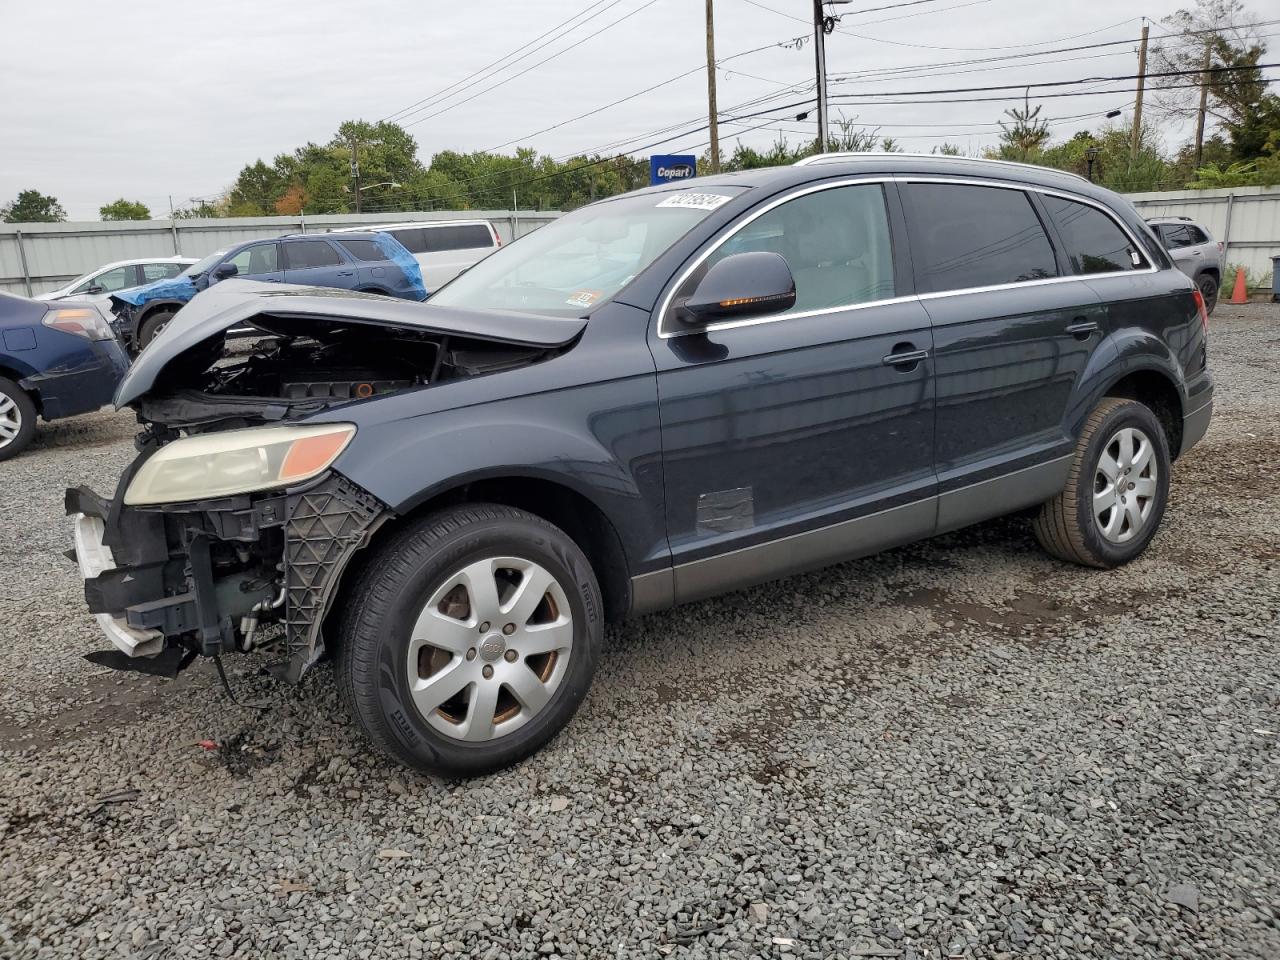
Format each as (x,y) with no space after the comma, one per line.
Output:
(443,248)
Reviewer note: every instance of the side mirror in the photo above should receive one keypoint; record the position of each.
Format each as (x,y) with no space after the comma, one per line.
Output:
(94,290)
(225,270)
(739,286)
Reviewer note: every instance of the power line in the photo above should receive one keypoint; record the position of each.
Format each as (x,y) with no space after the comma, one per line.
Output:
(505,59)
(534,66)
(1008,46)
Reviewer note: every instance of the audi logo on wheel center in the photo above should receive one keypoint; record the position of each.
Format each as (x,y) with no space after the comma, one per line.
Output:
(668,167)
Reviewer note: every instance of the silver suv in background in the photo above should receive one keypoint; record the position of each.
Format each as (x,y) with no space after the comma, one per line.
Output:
(1194,252)
(443,248)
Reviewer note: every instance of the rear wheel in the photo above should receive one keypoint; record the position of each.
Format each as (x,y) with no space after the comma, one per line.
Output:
(1116,492)
(151,327)
(17,419)
(470,640)
(1208,285)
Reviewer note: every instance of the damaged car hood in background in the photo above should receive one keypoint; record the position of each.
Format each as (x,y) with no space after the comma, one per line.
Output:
(234,303)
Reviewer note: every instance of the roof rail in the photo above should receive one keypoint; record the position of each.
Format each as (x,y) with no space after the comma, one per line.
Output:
(846,155)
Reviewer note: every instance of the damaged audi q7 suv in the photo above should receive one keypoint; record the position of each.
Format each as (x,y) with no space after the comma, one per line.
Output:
(659,397)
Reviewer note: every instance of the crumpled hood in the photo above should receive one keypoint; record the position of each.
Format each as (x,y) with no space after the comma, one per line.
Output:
(235,303)
(171,288)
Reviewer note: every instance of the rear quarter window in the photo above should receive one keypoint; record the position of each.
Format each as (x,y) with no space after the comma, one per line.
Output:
(1095,242)
(365,250)
(411,239)
(975,236)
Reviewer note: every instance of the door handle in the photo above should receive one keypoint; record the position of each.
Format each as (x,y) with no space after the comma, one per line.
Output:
(345,273)
(905,357)
(1083,329)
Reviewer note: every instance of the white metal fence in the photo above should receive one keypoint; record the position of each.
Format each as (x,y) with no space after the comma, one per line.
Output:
(35,257)
(1245,219)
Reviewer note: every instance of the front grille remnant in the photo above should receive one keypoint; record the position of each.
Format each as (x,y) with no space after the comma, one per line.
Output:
(326,526)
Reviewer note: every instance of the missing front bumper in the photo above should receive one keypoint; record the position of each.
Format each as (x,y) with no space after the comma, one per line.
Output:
(159,577)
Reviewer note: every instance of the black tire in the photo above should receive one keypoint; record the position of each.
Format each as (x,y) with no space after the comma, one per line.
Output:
(17,406)
(150,328)
(1066,526)
(1208,285)
(389,594)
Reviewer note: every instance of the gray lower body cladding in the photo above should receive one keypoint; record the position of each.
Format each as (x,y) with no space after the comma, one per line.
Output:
(204,575)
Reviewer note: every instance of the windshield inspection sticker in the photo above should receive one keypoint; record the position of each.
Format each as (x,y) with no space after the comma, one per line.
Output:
(695,201)
(583,298)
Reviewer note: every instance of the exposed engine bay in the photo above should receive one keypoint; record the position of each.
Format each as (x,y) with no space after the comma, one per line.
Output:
(281,368)
(170,578)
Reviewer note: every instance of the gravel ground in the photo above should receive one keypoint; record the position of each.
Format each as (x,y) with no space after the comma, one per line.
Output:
(957,749)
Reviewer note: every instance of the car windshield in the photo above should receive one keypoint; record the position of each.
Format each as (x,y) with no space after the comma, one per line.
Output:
(204,264)
(585,257)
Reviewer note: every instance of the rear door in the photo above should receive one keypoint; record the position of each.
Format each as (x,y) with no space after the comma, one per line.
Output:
(317,263)
(1179,241)
(800,438)
(1013,332)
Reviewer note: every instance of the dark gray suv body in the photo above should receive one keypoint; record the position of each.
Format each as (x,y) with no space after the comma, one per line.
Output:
(657,398)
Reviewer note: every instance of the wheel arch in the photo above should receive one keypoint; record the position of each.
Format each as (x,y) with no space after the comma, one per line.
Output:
(1157,390)
(582,520)
(17,373)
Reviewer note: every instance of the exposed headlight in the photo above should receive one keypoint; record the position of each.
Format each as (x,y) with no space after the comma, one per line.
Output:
(237,461)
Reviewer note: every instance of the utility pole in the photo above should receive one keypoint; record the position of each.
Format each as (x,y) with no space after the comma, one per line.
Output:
(1137,103)
(712,111)
(355,169)
(1204,103)
(820,65)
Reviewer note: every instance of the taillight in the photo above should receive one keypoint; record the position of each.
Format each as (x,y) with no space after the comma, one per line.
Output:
(84,322)
(1221,246)
(1198,297)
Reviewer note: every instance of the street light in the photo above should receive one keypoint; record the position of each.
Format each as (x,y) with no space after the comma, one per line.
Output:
(1090,157)
(361,188)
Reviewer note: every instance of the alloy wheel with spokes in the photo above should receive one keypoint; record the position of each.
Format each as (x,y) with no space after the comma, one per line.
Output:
(469,638)
(17,419)
(1125,485)
(489,648)
(10,420)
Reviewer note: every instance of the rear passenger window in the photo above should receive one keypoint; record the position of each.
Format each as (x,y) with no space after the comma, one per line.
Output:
(964,236)
(301,254)
(467,237)
(152,272)
(1094,241)
(1174,237)
(835,241)
(1196,235)
(362,249)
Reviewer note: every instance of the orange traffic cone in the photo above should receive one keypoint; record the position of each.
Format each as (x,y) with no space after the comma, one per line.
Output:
(1240,294)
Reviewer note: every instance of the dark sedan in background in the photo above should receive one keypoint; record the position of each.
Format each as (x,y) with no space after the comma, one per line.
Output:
(57,359)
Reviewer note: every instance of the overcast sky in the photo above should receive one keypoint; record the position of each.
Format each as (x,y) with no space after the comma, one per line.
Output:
(145,99)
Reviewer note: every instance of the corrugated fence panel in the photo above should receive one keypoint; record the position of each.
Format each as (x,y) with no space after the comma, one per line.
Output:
(1246,219)
(58,252)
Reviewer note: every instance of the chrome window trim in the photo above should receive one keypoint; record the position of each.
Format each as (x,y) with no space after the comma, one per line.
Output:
(684,275)
(1050,191)
(739,225)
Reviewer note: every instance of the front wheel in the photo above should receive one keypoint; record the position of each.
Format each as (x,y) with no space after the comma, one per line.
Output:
(470,639)
(17,419)
(152,326)
(1116,491)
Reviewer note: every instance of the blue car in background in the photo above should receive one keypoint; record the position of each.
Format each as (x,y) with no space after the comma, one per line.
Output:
(57,359)
(368,262)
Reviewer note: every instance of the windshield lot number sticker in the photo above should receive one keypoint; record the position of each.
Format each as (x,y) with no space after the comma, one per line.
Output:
(695,201)
(583,298)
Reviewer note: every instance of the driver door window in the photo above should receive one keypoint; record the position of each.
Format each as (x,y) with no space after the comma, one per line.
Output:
(110,282)
(836,242)
(256,260)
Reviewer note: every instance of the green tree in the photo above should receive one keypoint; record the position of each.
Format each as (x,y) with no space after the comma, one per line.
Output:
(123,209)
(32,206)
(1025,134)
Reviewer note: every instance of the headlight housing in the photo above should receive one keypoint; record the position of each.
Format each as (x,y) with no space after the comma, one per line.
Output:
(237,461)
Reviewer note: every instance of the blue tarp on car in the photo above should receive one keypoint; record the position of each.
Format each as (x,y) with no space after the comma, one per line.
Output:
(175,288)
(395,251)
